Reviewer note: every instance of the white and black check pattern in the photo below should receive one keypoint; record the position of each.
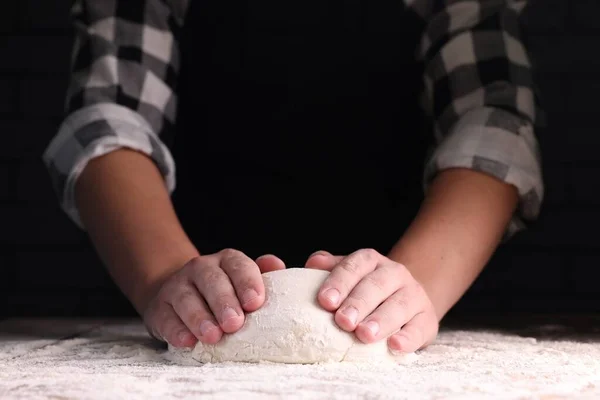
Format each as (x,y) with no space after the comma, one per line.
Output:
(477,78)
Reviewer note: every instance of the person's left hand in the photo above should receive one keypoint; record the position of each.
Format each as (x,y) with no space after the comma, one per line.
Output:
(376,297)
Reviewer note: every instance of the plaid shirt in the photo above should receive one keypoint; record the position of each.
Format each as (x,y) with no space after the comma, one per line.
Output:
(477,81)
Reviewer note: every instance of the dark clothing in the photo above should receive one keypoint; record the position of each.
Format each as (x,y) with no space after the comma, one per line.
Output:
(290,126)
(298,131)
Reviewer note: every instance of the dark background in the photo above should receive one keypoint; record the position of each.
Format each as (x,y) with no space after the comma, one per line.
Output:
(49,267)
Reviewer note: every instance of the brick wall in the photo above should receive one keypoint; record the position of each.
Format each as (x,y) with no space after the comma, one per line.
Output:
(49,266)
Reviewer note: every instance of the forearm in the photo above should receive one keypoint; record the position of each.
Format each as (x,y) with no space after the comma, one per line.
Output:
(480,124)
(121,197)
(125,207)
(459,226)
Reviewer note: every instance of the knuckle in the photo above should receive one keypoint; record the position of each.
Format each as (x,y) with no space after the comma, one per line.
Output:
(229,253)
(196,269)
(375,282)
(400,267)
(212,276)
(237,265)
(350,265)
(418,289)
(369,254)
(182,278)
(394,275)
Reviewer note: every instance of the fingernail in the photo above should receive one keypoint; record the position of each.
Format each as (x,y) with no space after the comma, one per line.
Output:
(206,327)
(351,313)
(395,352)
(249,295)
(373,327)
(398,343)
(228,313)
(333,295)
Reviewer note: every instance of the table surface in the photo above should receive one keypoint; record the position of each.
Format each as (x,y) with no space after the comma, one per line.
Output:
(111,359)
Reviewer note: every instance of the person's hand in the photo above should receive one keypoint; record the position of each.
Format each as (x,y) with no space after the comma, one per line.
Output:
(375,297)
(207,297)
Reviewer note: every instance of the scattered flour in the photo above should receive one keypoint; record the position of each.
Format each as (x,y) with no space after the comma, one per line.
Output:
(120,362)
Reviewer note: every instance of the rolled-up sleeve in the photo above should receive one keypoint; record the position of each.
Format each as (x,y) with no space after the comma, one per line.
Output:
(121,90)
(479,90)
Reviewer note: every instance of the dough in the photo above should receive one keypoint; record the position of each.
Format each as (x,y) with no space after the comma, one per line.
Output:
(291,327)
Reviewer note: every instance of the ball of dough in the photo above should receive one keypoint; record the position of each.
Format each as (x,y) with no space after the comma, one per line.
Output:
(291,327)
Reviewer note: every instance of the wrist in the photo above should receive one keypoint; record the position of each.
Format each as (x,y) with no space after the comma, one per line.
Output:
(451,240)
(155,269)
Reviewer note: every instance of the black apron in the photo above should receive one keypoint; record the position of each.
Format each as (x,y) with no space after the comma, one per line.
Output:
(298,126)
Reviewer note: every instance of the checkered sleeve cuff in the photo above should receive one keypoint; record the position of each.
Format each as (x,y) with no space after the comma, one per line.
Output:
(500,144)
(94,131)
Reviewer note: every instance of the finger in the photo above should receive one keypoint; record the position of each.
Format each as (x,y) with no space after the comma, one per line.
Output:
(368,294)
(346,274)
(167,326)
(414,335)
(322,260)
(245,277)
(195,314)
(216,288)
(389,317)
(269,262)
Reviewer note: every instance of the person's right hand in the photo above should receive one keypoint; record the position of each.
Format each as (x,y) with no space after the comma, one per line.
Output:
(207,297)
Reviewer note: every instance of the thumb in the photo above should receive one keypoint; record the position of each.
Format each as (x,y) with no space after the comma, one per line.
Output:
(269,262)
(322,260)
